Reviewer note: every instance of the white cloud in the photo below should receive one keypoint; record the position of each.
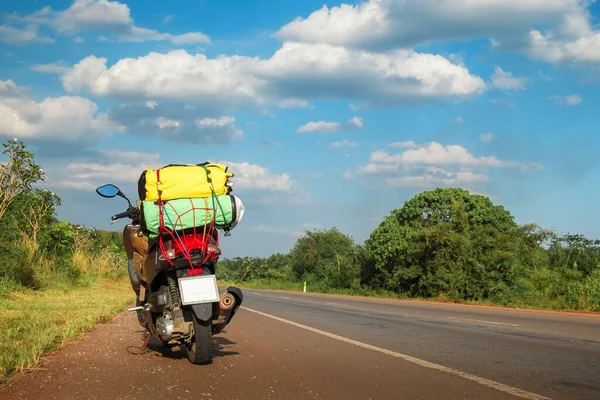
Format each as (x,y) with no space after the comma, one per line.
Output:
(12,35)
(163,123)
(431,165)
(91,14)
(438,178)
(487,137)
(506,81)
(110,166)
(79,40)
(59,67)
(221,124)
(556,31)
(66,118)
(436,154)
(410,144)
(150,118)
(9,88)
(432,157)
(353,123)
(573,40)
(168,19)
(98,172)
(140,35)
(255,177)
(343,143)
(572,100)
(104,15)
(295,71)
(388,24)
(585,49)
(126,166)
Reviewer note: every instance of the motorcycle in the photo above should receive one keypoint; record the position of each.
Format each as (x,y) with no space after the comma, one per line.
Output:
(178,301)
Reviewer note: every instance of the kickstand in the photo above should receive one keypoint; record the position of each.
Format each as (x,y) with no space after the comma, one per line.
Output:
(146,337)
(143,349)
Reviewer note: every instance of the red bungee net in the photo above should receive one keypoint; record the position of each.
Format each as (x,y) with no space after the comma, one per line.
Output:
(205,238)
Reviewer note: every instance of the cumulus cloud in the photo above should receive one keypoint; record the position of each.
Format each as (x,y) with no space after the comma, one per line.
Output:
(15,36)
(436,154)
(255,177)
(126,166)
(295,71)
(65,118)
(556,31)
(506,81)
(103,15)
(437,177)
(433,164)
(571,100)
(353,123)
(390,24)
(175,121)
(119,167)
(572,41)
(9,88)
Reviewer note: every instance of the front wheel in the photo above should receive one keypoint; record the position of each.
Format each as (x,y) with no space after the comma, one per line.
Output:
(199,350)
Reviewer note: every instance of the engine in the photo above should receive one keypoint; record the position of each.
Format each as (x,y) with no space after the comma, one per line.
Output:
(170,324)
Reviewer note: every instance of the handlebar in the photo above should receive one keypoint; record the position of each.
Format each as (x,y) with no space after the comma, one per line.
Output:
(130,213)
(119,216)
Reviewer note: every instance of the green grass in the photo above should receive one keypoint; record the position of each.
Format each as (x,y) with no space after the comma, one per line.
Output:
(35,323)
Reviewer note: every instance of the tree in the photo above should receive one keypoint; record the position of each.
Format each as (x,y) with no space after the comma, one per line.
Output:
(329,256)
(435,206)
(18,174)
(444,241)
(35,210)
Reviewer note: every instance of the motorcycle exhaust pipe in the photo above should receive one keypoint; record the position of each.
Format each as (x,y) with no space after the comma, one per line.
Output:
(229,303)
(226,302)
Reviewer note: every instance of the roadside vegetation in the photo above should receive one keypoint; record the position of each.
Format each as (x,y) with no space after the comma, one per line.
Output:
(443,245)
(56,279)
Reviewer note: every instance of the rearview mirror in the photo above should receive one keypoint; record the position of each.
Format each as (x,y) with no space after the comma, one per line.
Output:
(108,191)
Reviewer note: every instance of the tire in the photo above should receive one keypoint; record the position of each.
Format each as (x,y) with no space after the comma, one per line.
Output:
(200,350)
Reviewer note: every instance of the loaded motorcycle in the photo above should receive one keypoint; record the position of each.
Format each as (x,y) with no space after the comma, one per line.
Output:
(178,301)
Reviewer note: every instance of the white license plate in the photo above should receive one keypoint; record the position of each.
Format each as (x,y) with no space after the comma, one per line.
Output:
(198,289)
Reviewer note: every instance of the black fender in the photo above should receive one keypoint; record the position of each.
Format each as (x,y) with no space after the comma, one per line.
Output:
(239,297)
(203,312)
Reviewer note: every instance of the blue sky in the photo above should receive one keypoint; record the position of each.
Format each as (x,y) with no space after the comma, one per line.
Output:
(329,115)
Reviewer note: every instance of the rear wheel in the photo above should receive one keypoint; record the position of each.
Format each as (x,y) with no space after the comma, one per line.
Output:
(199,351)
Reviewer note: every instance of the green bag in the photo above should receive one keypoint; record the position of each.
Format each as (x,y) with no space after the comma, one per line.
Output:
(187,213)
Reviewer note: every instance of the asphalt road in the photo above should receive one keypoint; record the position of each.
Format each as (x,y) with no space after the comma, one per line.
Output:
(304,346)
